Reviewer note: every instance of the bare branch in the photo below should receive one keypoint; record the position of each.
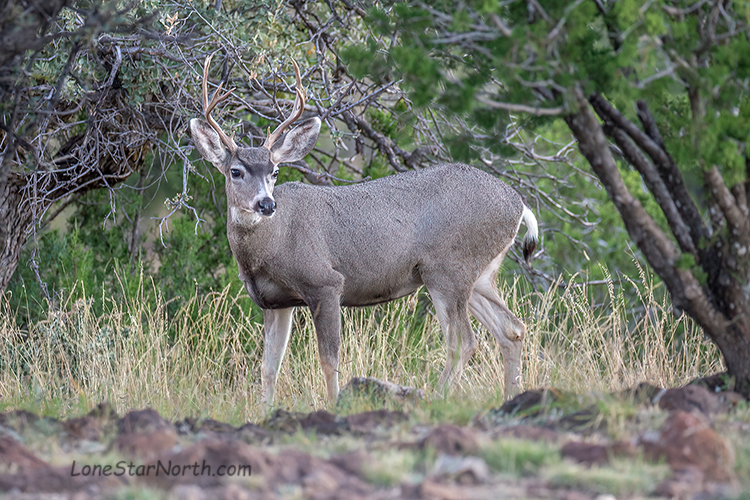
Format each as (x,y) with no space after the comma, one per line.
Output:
(661,255)
(668,171)
(535,6)
(653,182)
(739,223)
(521,108)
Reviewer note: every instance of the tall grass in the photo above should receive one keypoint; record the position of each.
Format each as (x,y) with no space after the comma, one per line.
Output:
(205,359)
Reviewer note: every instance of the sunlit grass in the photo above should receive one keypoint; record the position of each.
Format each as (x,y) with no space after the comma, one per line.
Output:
(205,360)
(621,477)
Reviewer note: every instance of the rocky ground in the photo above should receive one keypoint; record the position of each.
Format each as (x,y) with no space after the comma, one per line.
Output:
(385,453)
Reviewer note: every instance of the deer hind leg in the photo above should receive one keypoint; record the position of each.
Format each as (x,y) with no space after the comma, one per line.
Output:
(488,308)
(277,325)
(461,344)
(327,319)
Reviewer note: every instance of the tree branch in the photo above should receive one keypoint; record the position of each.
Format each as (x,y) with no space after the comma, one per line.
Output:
(385,145)
(738,223)
(657,188)
(670,174)
(660,253)
(521,108)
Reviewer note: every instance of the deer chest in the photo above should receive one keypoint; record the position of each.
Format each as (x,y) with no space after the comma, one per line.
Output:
(269,294)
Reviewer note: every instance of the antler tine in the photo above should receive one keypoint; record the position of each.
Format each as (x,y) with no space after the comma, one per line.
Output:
(209,106)
(299,107)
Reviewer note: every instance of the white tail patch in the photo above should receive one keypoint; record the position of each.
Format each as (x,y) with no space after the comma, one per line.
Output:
(530,221)
(532,233)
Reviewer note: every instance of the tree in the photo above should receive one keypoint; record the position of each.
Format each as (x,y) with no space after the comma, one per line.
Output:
(680,69)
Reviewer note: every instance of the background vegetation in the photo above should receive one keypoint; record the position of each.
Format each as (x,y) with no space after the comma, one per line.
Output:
(124,287)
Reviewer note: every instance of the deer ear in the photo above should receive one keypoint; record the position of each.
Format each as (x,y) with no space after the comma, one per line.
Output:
(295,144)
(208,143)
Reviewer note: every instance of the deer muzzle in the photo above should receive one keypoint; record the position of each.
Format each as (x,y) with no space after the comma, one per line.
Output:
(266,206)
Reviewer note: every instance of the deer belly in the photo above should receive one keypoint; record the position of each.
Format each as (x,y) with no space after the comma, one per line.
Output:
(379,291)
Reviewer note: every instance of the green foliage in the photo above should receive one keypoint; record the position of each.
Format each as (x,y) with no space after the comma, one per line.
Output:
(518,457)
(622,477)
(451,55)
(365,60)
(91,254)
(382,121)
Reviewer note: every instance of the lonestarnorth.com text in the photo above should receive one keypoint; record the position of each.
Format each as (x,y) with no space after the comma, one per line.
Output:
(123,468)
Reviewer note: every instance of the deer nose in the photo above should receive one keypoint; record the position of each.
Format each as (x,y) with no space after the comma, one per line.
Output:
(267,206)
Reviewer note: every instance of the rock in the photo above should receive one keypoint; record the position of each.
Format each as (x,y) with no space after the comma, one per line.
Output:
(142,421)
(15,455)
(205,461)
(88,428)
(587,419)
(524,402)
(463,470)
(682,484)
(599,454)
(643,393)
(186,426)
(193,492)
(254,434)
(451,440)
(324,423)
(691,398)
(380,392)
(283,421)
(367,422)
(212,425)
(434,490)
(731,399)
(686,440)
(717,382)
(21,420)
(55,480)
(187,492)
(144,434)
(201,464)
(319,483)
(317,476)
(22,471)
(145,445)
(352,462)
(84,434)
(103,411)
(531,403)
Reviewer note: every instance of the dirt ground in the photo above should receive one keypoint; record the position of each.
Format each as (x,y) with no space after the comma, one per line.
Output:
(384,453)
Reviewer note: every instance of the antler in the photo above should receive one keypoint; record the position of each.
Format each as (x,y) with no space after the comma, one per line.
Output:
(299,107)
(209,106)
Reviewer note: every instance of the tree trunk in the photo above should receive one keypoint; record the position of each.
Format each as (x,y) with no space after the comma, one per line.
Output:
(720,306)
(735,348)
(15,219)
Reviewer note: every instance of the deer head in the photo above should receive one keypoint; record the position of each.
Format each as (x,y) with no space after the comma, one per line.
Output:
(251,172)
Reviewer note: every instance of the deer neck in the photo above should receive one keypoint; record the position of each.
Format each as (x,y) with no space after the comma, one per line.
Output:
(251,240)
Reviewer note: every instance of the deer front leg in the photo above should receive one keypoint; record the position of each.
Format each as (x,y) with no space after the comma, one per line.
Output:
(326,314)
(277,325)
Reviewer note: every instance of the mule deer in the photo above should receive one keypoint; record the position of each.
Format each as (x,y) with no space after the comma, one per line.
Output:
(447,227)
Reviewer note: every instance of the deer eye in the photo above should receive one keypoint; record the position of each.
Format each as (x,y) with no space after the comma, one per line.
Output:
(275,173)
(235,173)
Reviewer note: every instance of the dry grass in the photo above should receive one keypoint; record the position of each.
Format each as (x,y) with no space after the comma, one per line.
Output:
(71,361)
